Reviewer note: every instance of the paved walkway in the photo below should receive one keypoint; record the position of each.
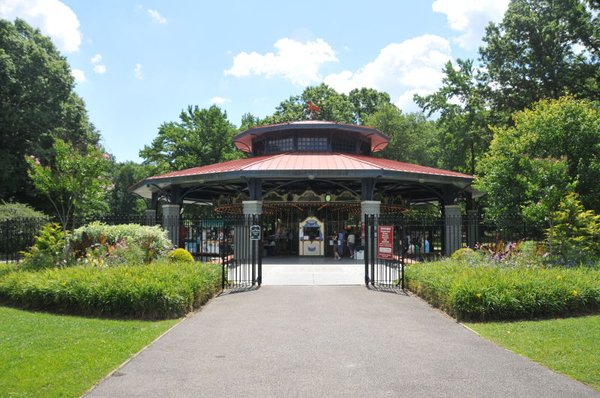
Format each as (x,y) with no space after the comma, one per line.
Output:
(294,271)
(329,341)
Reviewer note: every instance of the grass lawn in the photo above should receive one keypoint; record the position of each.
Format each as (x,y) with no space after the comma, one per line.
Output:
(45,355)
(570,346)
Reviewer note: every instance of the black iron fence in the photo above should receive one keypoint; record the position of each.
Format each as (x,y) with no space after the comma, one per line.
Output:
(16,236)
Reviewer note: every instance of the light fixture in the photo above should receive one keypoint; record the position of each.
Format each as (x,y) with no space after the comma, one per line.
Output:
(311,177)
(328,198)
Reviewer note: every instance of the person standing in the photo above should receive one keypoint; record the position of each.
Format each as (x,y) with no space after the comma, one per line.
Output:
(341,243)
(336,254)
(351,243)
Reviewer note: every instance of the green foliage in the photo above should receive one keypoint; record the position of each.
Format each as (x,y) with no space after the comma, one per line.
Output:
(333,106)
(75,182)
(180,255)
(413,139)
(154,291)
(483,291)
(52,356)
(123,176)
(466,254)
(48,249)
(551,150)
(37,103)
(542,49)
(19,211)
(201,137)
(101,245)
(463,117)
(575,232)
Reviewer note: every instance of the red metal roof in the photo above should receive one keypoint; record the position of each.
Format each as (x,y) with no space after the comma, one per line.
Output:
(311,161)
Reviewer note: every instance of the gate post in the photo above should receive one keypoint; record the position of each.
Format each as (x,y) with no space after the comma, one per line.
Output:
(171,222)
(452,228)
(370,210)
(252,212)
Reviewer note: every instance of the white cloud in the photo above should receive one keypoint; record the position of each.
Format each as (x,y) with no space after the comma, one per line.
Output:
(98,67)
(137,71)
(96,59)
(218,100)
(79,75)
(155,15)
(52,17)
(470,17)
(295,61)
(413,66)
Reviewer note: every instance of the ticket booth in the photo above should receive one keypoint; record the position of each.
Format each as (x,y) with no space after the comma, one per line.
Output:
(311,232)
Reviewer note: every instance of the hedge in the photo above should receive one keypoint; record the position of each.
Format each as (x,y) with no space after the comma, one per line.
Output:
(155,291)
(484,292)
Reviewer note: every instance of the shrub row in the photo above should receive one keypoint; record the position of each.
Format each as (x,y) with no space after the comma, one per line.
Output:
(482,292)
(155,291)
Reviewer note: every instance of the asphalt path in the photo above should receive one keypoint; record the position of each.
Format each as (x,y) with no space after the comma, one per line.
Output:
(329,341)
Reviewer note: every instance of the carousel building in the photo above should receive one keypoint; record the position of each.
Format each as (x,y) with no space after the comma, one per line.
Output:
(309,179)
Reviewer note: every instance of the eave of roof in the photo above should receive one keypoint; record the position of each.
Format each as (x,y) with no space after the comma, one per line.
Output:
(243,141)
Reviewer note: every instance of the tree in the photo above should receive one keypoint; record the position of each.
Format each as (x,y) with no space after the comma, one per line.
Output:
(463,116)
(412,138)
(552,149)
(201,137)
(367,101)
(37,103)
(124,175)
(542,49)
(75,182)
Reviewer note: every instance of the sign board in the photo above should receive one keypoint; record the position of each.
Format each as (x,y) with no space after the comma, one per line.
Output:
(255,232)
(385,242)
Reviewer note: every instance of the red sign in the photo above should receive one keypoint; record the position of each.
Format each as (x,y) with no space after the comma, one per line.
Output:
(385,242)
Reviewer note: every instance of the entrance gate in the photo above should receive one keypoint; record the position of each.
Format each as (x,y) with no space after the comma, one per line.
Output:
(384,256)
(233,241)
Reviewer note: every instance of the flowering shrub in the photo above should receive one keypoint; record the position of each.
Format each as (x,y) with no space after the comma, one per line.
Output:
(99,244)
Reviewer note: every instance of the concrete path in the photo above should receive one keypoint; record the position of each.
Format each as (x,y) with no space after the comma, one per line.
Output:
(303,271)
(329,341)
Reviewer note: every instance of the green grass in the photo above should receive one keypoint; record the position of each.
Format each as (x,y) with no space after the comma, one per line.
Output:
(45,355)
(570,346)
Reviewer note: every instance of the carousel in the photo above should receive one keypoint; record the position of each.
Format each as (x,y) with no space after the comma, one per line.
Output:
(308,180)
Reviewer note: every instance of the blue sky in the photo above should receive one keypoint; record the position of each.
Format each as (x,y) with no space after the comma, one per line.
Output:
(139,63)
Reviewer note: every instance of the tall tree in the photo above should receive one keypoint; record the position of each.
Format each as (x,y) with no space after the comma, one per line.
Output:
(37,103)
(124,175)
(74,181)
(201,137)
(542,49)
(463,116)
(552,149)
(367,101)
(412,138)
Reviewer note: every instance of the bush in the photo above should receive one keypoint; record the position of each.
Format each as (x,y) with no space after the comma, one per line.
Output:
(48,249)
(18,211)
(180,255)
(19,224)
(155,291)
(100,244)
(491,292)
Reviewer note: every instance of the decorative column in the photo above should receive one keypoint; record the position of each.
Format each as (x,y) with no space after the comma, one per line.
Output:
(171,222)
(369,207)
(452,229)
(150,217)
(252,207)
